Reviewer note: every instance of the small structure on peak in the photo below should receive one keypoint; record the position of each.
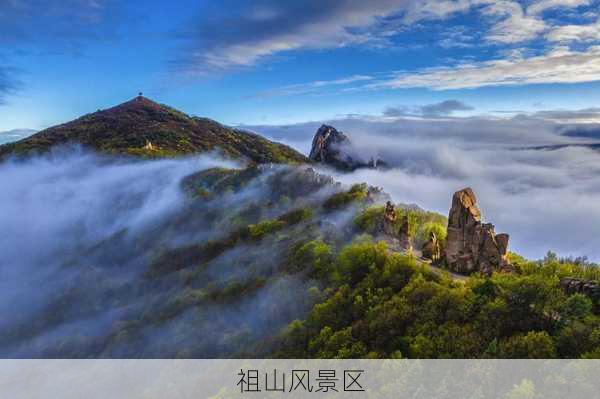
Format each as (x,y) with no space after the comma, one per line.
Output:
(472,245)
(149,146)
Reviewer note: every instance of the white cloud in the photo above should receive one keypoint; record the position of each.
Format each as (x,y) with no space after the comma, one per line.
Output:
(515,26)
(435,110)
(540,6)
(575,33)
(560,65)
(582,116)
(273,28)
(435,9)
(269,27)
(310,87)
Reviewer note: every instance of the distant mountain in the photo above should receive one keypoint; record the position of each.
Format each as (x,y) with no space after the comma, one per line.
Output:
(591,131)
(144,128)
(14,135)
(553,147)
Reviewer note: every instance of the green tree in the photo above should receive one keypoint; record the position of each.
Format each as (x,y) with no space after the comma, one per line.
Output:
(533,345)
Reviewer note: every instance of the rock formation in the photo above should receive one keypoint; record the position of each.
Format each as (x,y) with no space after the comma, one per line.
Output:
(389,219)
(334,148)
(404,234)
(431,249)
(576,285)
(472,245)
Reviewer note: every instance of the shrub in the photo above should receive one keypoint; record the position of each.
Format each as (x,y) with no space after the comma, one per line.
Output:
(357,192)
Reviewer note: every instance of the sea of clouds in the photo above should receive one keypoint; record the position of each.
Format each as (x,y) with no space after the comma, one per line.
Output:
(80,232)
(545,199)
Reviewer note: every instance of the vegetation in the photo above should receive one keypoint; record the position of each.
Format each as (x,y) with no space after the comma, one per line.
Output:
(385,305)
(421,222)
(180,258)
(356,193)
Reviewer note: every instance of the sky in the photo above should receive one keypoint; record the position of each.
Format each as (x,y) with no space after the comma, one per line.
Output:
(450,93)
(282,62)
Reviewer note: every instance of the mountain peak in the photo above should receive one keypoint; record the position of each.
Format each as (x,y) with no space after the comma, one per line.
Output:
(139,103)
(332,147)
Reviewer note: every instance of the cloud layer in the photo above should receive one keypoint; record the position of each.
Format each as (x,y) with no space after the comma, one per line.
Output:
(546,200)
(267,28)
(81,232)
(561,65)
(443,108)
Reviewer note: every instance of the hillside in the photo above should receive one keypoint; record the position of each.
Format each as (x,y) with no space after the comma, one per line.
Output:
(144,128)
(265,261)
(195,258)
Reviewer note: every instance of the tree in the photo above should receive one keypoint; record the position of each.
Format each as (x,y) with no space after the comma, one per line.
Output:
(533,345)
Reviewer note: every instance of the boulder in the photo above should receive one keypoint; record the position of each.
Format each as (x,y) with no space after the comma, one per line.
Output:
(580,286)
(473,246)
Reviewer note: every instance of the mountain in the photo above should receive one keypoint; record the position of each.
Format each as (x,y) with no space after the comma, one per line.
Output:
(141,127)
(334,148)
(14,135)
(194,258)
(553,147)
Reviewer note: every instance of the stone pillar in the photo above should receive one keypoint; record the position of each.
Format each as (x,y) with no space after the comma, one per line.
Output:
(404,234)
(389,219)
(472,245)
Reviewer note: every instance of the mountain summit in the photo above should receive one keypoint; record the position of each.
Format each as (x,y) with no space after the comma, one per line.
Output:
(145,128)
(334,148)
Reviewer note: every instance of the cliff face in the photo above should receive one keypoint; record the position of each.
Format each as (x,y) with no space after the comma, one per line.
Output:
(334,148)
(142,127)
(472,245)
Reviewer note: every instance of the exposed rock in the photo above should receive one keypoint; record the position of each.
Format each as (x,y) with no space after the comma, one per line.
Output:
(580,286)
(334,148)
(389,219)
(431,249)
(472,245)
(404,234)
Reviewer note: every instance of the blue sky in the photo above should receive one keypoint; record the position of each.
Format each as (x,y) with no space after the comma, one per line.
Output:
(279,62)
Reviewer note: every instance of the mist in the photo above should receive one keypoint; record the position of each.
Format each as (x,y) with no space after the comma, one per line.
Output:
(545,199)
(80,232)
